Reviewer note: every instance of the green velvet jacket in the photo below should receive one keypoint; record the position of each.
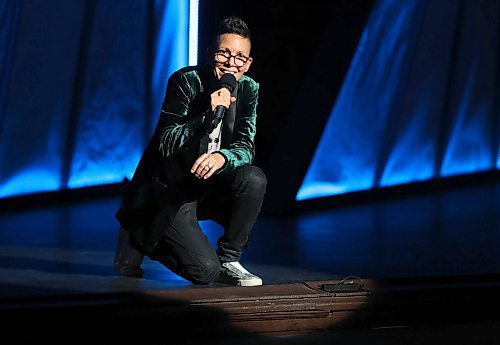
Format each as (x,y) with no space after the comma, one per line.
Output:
(157,189)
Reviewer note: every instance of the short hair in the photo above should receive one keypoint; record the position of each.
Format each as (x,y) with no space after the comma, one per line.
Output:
(233,25)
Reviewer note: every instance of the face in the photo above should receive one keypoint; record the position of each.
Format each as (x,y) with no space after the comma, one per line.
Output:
(237,48)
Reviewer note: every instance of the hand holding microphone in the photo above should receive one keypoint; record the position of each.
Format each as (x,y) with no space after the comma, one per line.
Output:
(221,100)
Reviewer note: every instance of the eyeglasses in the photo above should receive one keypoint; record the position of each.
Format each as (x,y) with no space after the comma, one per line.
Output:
(223,56)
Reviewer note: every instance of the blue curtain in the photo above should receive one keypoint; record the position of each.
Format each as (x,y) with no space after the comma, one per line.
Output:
(171,30)
(81,87)
(420,100)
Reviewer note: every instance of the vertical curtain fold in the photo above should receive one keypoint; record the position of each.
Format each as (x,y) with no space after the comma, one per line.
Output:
(108,139)
(38,96)
(81,88)
(9,17)
(420,100)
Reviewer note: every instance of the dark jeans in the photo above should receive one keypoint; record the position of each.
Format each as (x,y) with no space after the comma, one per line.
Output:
(233,201)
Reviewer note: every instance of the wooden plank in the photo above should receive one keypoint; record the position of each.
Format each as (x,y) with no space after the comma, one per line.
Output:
(268,309)
(305,306)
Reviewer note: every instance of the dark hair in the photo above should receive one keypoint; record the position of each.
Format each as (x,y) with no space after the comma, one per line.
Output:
(233,25)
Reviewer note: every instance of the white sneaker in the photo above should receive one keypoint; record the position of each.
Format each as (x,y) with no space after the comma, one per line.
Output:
(235,274)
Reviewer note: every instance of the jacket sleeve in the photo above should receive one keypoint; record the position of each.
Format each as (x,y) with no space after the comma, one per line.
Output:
(178,127)
(241,151)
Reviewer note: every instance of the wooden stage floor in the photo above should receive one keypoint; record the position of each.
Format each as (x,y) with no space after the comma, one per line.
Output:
(63,254)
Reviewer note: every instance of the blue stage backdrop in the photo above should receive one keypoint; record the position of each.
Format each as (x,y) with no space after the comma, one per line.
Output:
(81,85)
(420,101)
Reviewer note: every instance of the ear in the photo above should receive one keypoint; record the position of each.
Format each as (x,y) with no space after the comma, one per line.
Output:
(248,64)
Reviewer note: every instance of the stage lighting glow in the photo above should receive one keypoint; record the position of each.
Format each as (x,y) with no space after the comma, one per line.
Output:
(113,124)
(414,105)
(469,148)
(320,189)
(193,32)
(346,158)
(36,179)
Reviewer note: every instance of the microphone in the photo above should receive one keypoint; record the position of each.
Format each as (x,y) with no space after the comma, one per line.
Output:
(227,80)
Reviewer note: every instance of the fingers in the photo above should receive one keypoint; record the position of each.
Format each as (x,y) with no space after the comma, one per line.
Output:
(209,171)
(197,163)
(221,97)
(206,165)
(203,167)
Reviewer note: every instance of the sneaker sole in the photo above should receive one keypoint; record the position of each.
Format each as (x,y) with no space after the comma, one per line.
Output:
(252,282)
(249,282)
